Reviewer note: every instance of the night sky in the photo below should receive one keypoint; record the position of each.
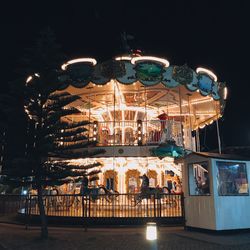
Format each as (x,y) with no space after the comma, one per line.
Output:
(212,34)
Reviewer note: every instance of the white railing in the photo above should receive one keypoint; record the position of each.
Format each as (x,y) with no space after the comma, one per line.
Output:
(152,132)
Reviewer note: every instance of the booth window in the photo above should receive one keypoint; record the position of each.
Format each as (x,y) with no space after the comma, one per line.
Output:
(232,178)
(198,175)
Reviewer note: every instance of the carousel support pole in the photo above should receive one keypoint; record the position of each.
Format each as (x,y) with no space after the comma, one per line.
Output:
(182,134)
(89,116)
(198,148)
(114,96)
(146,115)
(190,122)
(218,136)
(217,127)
(146,125)
(114,159)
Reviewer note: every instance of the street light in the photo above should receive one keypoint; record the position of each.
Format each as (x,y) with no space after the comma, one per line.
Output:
(151,232)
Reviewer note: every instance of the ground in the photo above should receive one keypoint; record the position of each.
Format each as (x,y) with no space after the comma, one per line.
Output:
(14,236)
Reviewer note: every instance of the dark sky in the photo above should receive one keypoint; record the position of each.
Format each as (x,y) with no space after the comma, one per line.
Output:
(213,34)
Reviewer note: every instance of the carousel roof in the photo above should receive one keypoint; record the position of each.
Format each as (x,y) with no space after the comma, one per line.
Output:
(142,84)
(147,70)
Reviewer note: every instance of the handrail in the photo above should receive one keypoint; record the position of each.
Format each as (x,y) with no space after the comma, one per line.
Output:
(133,205)
(126,132)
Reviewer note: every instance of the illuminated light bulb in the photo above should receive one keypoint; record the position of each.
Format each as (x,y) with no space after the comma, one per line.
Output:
(139,138)
(94,139)
(94,132)
(151,231)
(151,58)
(207,71)
(225,92)
(36,74)
(123,58)
(88,60)
(29,78)
(25,192)
(202,126)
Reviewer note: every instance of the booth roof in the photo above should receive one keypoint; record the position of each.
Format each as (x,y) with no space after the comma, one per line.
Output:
(220,156)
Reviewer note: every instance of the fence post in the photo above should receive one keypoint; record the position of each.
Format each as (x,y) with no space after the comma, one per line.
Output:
(85,208)
(183,208)
(154,206)
(26,210)
(159,204)
(83,212)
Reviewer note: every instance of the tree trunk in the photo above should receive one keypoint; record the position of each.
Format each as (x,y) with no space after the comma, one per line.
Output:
(44,226)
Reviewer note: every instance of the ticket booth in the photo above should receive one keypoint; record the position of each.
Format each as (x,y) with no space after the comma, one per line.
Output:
(216,191)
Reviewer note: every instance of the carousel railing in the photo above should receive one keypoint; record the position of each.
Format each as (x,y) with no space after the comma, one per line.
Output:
(107,206)
(130,133)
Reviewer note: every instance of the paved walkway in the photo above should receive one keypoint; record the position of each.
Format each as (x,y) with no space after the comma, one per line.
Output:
(16,237)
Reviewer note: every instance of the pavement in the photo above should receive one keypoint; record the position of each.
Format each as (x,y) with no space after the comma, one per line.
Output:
(63,238)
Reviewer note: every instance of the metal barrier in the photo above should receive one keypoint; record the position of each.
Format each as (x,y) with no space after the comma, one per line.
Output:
(109,206)
(11,203)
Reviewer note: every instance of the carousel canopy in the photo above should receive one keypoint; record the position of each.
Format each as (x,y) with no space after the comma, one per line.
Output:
(140,82)
(148,70)
(132,87)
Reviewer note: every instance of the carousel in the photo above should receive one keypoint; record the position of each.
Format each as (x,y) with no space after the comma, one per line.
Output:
(145,113)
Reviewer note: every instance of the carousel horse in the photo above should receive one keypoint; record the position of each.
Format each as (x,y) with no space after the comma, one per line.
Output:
(96,193)
(147,192)
(61,197)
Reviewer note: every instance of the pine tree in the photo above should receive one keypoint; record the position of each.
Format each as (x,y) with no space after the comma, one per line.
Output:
(51,139)
(9,105)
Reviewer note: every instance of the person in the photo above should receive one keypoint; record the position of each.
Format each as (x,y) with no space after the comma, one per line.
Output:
(163,139)
(205,184)
(163,118)
(199,185)
(178,189)
(84,185)
(174,186)
(145,183)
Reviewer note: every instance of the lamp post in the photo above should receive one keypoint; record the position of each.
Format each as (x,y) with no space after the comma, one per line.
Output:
(151,231)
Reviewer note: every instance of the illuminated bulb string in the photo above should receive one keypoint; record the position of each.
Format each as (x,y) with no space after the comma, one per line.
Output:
(123,58)
(207,71)
(79,60)
(150,58)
